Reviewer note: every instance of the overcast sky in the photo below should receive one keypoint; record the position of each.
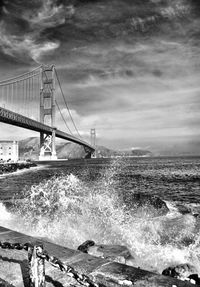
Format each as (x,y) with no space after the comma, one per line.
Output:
(129,68)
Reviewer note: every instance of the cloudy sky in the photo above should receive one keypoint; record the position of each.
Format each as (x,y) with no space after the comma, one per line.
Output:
(129,68)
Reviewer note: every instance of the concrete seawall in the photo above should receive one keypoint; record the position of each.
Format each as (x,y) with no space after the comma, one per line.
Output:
(102,271)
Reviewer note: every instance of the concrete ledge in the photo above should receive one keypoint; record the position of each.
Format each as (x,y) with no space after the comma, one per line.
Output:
(105,272)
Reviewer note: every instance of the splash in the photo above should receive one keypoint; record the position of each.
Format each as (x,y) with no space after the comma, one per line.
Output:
(68,211)
(4,214)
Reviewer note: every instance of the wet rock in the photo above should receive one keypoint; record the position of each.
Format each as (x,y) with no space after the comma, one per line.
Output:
(12,167)
(182,271)
(140,202)
(85,246)
(196,278)
(183,209)
(116,253)
(186,241)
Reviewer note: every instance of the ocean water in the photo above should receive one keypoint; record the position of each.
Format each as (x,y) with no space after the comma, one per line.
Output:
(69,202)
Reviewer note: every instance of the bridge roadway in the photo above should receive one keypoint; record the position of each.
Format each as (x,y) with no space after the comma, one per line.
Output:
(15,119)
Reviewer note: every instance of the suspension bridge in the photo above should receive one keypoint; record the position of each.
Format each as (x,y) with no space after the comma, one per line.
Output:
(32,101)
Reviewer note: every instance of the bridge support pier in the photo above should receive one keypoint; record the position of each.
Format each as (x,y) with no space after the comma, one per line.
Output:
(47,146)
(47,112)
(93,142)
(53,145)
(89,153)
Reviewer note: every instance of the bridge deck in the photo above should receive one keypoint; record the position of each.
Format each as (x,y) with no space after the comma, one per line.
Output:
(15,119)
(107,273)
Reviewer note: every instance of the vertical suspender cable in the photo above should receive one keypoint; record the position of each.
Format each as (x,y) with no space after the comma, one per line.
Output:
(12,88)
(38,92)
(3,96)
(7,96)
(23,86)
(27,99)
(66,104)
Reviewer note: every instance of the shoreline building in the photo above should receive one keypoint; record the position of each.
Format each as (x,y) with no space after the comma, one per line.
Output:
(9,151)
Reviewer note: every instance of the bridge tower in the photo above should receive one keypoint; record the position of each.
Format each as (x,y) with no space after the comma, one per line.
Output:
(93,141)
(47,112)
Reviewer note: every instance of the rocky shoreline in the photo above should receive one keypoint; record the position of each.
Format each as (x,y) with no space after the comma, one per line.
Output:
(12,167)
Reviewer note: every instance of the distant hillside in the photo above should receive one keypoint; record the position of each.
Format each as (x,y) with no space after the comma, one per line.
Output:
(70,150)
(105,152)
(29,149)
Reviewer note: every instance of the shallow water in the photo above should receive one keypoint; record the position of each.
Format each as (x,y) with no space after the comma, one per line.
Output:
(70,202)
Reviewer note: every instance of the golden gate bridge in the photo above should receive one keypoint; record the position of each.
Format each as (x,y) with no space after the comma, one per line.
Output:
(30,101)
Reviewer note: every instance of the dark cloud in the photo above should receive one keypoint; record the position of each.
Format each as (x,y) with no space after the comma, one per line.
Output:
(22,23)
(126,66)
(44,25)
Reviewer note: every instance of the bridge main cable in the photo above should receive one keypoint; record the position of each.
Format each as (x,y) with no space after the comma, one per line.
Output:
(66,104)
(20,77)
(63,118)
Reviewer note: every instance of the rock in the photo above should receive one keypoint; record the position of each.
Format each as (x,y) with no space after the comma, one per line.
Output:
(86,245)
(186,241)
(116,253)
(182,271)
(183,209)
(140,202)
(12,167)
(195,277)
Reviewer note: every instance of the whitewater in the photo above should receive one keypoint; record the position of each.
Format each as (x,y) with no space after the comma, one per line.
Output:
(71,202)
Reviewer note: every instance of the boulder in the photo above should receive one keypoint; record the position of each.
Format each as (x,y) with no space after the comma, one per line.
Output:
(146,204)
(116,253)
(183,209)
(195,278)
(196,215)
(85,246)
(184,272)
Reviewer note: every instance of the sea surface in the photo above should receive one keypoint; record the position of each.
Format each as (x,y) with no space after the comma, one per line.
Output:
(69,202)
